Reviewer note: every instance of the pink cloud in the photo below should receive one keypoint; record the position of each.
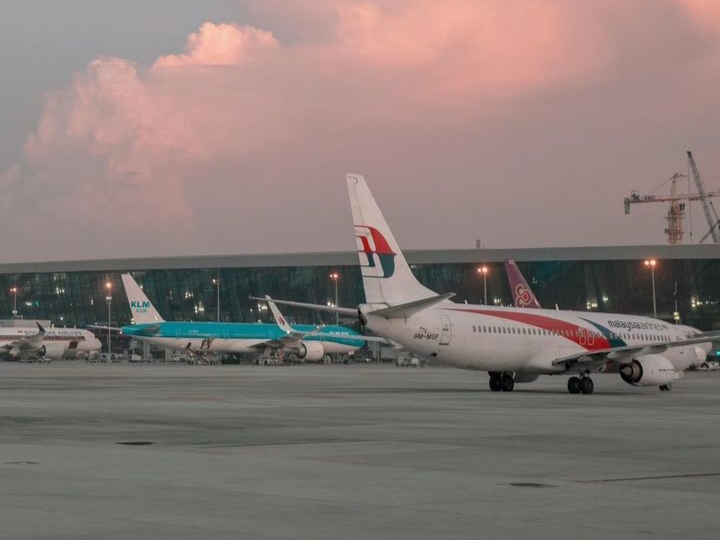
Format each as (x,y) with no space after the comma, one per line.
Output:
(221,45)
(130,144)
(705,14)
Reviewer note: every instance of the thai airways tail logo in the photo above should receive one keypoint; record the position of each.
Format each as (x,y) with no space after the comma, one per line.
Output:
(523,297)
(379,259)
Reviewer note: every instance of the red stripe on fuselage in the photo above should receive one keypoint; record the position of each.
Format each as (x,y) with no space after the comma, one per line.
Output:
(591,340)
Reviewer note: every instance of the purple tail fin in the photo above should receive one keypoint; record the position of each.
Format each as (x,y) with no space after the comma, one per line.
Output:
(522,295)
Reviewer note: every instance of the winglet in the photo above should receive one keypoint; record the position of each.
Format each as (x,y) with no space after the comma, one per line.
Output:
(41,330)
(279,319)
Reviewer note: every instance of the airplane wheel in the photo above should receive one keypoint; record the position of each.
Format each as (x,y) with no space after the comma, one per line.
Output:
(587,385)
(666,387)
(495,383)
(507,383)
(574,385)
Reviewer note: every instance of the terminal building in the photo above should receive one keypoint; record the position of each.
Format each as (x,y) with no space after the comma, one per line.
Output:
(76,293)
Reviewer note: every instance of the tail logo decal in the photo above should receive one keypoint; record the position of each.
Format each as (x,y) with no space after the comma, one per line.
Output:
(379,258)
(523,297)
(140,307)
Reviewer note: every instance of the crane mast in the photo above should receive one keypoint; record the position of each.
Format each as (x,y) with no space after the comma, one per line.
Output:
(708,207)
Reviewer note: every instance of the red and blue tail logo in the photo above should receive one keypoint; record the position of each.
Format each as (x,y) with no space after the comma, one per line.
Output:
(379,258)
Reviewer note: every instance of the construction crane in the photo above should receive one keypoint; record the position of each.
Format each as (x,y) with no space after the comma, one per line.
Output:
(676,212)
(708,207)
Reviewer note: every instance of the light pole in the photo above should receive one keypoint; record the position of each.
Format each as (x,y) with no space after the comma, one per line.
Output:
(108,298)
(484,271)
(13,290)
(652,263)
(335,276)
(216,282)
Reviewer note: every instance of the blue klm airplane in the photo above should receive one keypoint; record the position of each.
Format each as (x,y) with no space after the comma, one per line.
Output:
(307,342)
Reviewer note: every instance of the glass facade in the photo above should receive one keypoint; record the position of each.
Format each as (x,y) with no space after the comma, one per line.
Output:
(76,298)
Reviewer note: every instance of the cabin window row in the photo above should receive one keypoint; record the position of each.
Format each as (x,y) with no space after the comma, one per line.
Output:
(565,333)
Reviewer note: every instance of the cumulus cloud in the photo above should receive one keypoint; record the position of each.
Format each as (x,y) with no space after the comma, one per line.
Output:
(221,45)
(147,152)
(705,14)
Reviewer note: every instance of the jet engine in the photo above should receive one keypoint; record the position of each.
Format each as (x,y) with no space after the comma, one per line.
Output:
(52,350)
(700,355)
(310,350)
(649,370)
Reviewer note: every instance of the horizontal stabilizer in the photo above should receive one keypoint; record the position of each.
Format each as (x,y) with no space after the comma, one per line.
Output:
(321,307)
(402,311)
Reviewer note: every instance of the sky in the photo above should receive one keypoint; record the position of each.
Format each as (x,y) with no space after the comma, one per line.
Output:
(184,128)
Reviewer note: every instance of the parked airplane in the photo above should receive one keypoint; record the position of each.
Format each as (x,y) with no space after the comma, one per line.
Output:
(512,344)
(307,342)
(18,342)
(523,296)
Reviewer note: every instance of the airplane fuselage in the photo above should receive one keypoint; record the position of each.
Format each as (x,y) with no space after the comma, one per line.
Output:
(237,338)
(55,343)
(492,338)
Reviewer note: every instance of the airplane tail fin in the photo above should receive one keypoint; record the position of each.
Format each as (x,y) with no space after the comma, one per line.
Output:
(387,278)
(142,310)
(521,292)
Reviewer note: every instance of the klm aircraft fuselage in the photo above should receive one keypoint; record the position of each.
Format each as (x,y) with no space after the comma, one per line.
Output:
(230,338)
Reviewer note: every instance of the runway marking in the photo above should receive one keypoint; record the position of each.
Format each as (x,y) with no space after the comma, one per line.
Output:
(644,478)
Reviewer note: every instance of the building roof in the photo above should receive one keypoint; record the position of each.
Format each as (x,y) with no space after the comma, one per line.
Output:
(349,258)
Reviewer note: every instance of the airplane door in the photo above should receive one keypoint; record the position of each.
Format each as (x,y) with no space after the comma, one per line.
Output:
(445,330)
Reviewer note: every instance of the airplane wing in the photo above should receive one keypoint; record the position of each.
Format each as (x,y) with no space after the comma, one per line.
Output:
(322,307)
(624,354)
(105,328)
(293,336)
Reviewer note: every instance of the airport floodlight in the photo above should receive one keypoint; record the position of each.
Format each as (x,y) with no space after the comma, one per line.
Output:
(651,263)
(108,286)
(216,282)
(13,290)
(484,271)
(335,276)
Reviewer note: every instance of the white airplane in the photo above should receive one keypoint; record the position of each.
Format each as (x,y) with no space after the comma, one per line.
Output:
(56,343)
(511,344)
(524,297)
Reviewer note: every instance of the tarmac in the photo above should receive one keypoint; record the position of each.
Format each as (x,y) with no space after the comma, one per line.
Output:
(350,452)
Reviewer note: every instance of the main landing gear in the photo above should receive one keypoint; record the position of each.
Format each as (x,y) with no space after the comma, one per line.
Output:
(666,387)
(580,384)
(501,381)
